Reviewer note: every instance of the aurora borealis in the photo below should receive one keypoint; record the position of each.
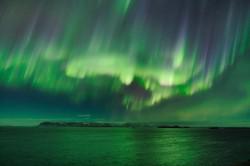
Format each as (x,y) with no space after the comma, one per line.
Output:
(143,60)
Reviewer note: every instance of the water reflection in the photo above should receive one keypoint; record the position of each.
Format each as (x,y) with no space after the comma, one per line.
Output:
(159,147)
(123,147)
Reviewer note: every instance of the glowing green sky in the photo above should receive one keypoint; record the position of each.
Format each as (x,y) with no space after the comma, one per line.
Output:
(132,55)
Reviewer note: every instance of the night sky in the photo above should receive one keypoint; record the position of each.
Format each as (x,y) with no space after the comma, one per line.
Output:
(172,61)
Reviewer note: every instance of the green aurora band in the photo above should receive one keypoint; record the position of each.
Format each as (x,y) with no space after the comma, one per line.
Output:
(144,51)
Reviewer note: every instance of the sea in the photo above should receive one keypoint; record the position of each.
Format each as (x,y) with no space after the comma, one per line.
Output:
(76,146)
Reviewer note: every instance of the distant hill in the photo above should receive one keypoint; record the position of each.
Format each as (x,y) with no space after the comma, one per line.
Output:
(100,124)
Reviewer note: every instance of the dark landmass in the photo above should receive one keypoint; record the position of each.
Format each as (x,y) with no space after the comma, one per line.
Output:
(214,128)
(99,124)
(174,126)
(128,125)
(75,124)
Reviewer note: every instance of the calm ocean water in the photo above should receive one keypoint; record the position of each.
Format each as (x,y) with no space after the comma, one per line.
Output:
(20,146)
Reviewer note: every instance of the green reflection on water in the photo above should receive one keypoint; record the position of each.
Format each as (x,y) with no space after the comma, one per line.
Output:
(122,146)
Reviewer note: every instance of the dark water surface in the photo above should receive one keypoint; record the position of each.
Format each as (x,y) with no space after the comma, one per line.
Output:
(20,146)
